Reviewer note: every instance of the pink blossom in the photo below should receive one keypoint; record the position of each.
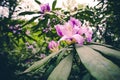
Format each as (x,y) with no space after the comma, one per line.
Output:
(69,33)
(78,39)
(14,31)
(87,32)
(59,29)
(42,56)
(73,32)
(74,22)
(27,32)
(44,8)
(53,46)
(27,43)
(30,47)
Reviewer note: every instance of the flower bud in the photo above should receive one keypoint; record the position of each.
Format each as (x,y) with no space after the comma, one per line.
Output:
(53,46)
(44,8)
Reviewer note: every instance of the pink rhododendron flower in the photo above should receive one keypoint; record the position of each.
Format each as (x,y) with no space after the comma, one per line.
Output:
(73,32)
(44,8)
(53,46)
(59,29)
(69,33)
(79,39)
(87,32)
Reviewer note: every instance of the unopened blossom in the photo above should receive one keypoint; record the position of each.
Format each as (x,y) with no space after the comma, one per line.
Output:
(53,46)
(44,8)
(30,47)
(27,43)
(27,32)
(42,56)
(14,31)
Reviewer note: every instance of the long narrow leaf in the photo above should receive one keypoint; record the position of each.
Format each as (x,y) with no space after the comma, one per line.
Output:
(38,64)
(60,56)
(26,13)
(31,20)
(107,51)
(38,2)
(54,4)
(62,71)
(98,66)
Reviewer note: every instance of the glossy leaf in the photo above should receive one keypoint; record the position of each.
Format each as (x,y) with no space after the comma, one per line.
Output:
(60,56)
(40,63)
(31,20)
(107,51)
(31,38)
(38,2)
(54,4)
(87,76)
(26,13)
(62,71)
(98,66)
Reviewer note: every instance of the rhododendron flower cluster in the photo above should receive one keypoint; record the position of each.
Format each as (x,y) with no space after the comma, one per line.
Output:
(74,31)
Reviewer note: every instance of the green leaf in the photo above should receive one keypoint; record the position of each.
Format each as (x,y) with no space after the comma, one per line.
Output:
(54,4)
(31,20)
(98,66)
(31,38)
(57,8)
(86,76)
(60,56)
(107,51)
(90,13)
(38,2)
(40,63)
(49,70)
(26,13)
(62,71)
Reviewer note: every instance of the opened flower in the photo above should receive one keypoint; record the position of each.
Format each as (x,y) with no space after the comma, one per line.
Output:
(53,46)
(86,32)
(73,32)
(69,33)
(44,8)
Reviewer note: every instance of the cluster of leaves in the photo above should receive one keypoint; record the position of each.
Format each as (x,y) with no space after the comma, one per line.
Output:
(13,51)
(89,62)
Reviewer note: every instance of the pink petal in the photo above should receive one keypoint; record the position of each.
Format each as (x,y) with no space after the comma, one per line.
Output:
(64,38)
(75,22)
(68,30)
(59,29)
(52,45)
(79,39)
(44,8)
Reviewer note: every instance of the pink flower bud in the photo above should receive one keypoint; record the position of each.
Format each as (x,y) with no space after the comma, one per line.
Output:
(53,46)
(44,8)
(27,32)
